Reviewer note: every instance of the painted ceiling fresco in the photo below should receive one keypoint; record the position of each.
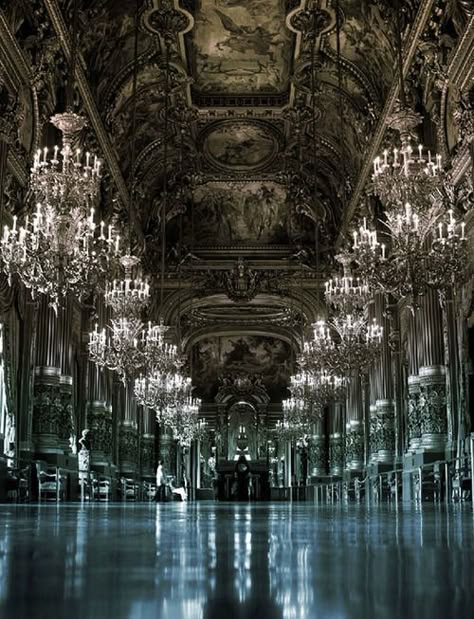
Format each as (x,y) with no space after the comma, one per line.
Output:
(240,145)
(220,356)
(232,212)
(240,46)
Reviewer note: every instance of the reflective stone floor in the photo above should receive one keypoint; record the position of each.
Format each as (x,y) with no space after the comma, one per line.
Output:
(235,561)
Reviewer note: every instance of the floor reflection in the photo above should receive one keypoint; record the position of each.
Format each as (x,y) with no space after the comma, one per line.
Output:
(226,561)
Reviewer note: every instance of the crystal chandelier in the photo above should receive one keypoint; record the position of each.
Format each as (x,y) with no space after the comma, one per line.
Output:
(185,423)
(117,347)
(422,250)
(58,256)
(122,345)
(163,392)
(60,250)
(347,293)
(344,344)
(128,296)
(296,421)
(69,179)
(404,173)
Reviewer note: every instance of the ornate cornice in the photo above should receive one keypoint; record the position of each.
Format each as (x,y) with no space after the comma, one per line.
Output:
(19,72)
(422,17)
(90,106)
(460,73)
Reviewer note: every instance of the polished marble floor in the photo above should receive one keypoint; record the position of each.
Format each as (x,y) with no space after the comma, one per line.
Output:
(236,561)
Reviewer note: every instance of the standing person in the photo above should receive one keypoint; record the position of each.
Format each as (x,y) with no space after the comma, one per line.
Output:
(160,482)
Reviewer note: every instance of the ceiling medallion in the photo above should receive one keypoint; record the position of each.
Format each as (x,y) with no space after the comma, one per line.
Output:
(240,146)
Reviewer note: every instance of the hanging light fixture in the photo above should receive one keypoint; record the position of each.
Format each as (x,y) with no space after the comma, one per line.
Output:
(422,244)
(403,173)
(60,249)
(163,386)
(346,341)
(126,345)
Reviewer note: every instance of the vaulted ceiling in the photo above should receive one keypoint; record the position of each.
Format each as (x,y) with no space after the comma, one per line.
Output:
(259,172)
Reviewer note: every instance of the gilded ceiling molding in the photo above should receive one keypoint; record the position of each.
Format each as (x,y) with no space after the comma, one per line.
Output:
(353,71)
(460,74)
(419,24)
(108,150)
(17,69)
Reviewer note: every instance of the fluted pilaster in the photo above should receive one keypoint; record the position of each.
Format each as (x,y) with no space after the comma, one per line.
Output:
(336,445)
(47,405)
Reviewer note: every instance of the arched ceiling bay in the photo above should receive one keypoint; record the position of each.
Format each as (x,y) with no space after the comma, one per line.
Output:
(241,67)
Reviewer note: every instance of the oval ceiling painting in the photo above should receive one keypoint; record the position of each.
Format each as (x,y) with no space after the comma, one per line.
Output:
(241,145)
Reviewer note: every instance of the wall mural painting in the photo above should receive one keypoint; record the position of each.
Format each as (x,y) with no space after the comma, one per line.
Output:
(218,356)
(241,46)
(233,212)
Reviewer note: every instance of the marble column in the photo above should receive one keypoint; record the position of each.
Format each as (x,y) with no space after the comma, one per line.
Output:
(147,443)
(318,455)
(354,444)
(433,406)
(128,433)
(413,424)
(168,451)
(385,404)
(47,408)
(67,429)
(336,451)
